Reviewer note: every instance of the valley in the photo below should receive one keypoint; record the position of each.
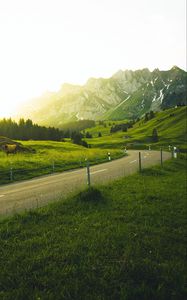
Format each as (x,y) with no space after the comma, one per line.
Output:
(128,225)
(93,150)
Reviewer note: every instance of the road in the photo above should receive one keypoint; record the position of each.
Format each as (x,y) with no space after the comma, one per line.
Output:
(38,192)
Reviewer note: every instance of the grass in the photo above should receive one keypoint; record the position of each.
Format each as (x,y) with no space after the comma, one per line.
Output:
(125,240)
(171,128)
(104,128)
(170,124)
(62,155)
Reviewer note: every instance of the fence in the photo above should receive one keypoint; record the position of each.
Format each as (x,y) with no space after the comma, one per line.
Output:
(12,173)
(16,174)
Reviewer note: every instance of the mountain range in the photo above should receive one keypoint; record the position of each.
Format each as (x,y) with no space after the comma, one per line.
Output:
(126,95)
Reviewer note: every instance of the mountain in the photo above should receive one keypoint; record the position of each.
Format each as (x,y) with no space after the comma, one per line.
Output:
(126,95)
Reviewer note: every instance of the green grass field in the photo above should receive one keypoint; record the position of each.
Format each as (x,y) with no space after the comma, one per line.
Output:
(63,155)
(104,128)
(59,156)
(125,240)
(170,124)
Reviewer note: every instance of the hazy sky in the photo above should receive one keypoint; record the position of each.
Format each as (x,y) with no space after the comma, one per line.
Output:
(47,42)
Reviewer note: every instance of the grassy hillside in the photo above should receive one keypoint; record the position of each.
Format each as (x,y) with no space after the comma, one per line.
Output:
(58,156)
(103,128)
(123,241)
(170,124)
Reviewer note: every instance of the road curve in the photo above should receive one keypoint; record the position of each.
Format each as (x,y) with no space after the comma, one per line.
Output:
(37,192)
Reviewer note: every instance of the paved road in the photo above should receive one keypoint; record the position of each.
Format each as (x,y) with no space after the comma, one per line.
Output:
(39,191)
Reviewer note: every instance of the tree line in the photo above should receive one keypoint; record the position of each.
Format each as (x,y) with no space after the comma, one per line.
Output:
(26,130)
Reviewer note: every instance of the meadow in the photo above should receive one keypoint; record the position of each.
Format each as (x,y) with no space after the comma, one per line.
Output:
(60,156)
(170,125)
(50,157)
(104,128)
(118,241)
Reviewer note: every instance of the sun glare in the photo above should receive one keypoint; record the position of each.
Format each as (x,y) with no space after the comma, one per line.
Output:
(7,110)
(61,41)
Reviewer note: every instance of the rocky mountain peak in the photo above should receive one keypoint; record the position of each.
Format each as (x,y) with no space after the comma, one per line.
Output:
(125,95)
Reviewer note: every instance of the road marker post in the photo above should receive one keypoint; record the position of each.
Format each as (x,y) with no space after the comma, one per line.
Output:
(109,157)
(161,157)
(140,162)
(175,152)
(53,166)
(11,174)
(88,173)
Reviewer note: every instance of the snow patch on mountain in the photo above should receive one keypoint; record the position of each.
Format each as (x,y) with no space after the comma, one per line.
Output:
(161,96)
(143,103)
(122,102)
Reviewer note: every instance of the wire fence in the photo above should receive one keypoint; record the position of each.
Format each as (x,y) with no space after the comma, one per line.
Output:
(14,173)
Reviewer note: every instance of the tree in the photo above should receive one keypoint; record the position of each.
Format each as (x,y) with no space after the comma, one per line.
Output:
(124,127)
(99,134)
(151,115)
(154,135)
(76,137)
(85,144)
(146,117)
(88,135)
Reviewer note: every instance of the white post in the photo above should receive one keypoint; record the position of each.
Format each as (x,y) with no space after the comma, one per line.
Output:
(149,148)
(109,157)
(175,152)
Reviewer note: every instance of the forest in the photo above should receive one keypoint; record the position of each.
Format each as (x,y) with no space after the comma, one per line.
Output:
(26,130)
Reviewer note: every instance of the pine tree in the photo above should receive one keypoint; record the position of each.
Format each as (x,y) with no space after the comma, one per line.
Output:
(154,135)
(151,115)
(146,117)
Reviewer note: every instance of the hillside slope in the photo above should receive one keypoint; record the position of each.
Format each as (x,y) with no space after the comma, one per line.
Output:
(170,124)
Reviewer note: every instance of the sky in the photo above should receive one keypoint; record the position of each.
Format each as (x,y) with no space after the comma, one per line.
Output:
(45,43)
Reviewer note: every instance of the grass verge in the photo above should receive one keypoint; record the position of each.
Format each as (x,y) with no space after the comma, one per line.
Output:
(125,240)
(50,157)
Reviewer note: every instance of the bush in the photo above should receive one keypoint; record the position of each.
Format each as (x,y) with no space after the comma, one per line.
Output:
(90,195)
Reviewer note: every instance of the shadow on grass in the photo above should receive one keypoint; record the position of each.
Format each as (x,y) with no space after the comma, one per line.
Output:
(153,172)
(91,195)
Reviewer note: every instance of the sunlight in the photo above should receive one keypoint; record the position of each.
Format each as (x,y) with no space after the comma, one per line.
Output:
(7,109)
(43,48)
